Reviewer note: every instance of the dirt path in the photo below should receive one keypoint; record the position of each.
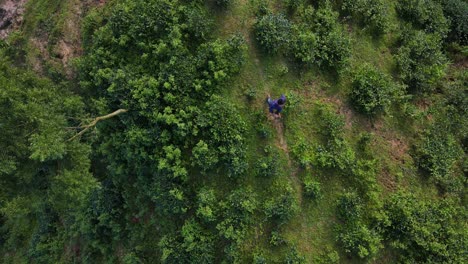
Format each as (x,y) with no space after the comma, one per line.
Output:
(283,145)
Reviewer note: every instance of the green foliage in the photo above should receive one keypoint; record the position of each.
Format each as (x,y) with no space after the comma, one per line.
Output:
(424,14)
(333,152)
(372,13)
(198,24)
(283,205)
(42,173)
(273,32)
(350,207)
(319,39)
(237,214)
(293,4)
(193,244)
(420,61)
(372,91)
(312,189)
(425,231)
(305,47)
(223,3)
(358,240)
(328,257)
(207,209)
(354,235)
(456,11)
(268,166)
(436,154)
(454,111)
(223,130)
(276,239)
(293,257)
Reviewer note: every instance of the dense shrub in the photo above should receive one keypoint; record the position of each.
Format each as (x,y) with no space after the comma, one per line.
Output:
(283,205)
(198,25)
(425,232)
(319,39)
(436,154)
(335,50)
(294,257)
(223,3)
(273,32)
(350,207)
(223,129)
(354,235)
(372,13)
(207,208)
(312,189)
(237,213)
(305,47)
(192,244)
(293,4)
(268,166)
(372,90)
(358,240)
(455,107)
(456,12)
(420,61)
(424,14)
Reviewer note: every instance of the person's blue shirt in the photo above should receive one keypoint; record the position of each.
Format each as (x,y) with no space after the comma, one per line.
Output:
(275,106)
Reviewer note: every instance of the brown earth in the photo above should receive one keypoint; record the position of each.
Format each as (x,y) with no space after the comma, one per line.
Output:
(11,16)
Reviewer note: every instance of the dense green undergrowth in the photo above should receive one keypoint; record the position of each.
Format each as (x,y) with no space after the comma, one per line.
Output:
(367,165)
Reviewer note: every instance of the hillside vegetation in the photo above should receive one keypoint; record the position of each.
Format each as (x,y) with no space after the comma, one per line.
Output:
(137,131)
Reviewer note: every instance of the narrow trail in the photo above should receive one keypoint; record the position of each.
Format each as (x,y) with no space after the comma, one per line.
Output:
(283,145)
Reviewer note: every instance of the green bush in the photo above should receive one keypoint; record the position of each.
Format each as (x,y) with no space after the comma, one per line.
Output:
(273,32)
(294,257)
(223,130)
(424,14)
(268,166)
(237,214)
(353,233)
(305,47)
(223,3)
(350,207)
(276,239)
(207,209)
(456,12)
(312,189)
(420,61)
(191,244)
(358,240)
(293,4)
(436,154)
(372,90)
(282,206)
(198,25)
(425,231)
(334,44)
(319,39)
(372,13)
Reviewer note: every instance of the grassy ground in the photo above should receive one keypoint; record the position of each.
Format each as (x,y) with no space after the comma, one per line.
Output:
(312,230)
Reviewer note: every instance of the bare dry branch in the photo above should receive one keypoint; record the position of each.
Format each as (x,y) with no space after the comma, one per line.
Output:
(96,120)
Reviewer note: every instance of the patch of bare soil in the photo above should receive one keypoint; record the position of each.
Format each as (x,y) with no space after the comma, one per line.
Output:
(11,16)
(69,45)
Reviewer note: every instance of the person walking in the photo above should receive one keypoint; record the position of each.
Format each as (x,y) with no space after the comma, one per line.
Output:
(276,106)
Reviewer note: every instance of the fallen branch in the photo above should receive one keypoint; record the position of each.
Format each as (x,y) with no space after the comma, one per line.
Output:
(95,121)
